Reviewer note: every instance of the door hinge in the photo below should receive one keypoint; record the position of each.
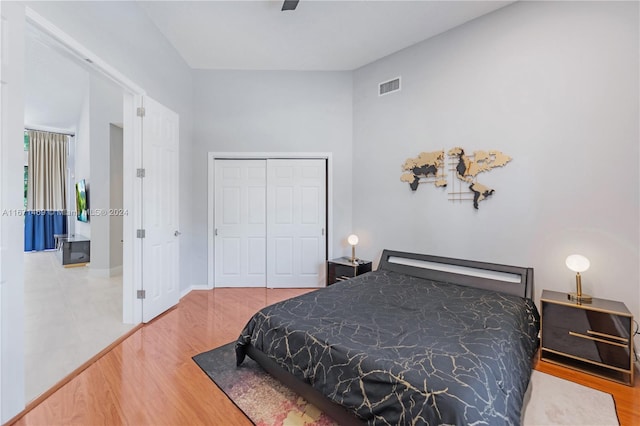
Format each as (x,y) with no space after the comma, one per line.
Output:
(140,173)
(140,111)
(141,294)
(140,233)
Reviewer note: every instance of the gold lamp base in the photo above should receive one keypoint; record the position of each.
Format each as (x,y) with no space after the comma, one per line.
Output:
(580,298)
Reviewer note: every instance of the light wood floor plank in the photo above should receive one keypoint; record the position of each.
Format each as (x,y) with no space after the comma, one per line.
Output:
(150,378)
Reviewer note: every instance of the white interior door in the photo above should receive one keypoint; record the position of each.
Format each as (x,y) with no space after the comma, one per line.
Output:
(160,253)
(240,223)
(296,220)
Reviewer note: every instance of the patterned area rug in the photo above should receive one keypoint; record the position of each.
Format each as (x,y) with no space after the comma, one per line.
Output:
(263,399)
(266,402)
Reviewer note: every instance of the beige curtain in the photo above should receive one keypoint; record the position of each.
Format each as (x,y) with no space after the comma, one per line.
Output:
(47,180)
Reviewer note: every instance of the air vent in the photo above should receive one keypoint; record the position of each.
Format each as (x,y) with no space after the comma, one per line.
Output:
(390,86)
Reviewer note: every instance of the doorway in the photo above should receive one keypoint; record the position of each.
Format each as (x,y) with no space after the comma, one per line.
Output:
(72,313)
(269,219)
(131,103)
(12,274)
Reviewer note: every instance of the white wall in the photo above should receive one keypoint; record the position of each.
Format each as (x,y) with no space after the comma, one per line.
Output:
(552,84)
(264,111)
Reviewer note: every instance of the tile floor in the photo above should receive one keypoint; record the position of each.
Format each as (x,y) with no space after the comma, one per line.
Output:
(69,317)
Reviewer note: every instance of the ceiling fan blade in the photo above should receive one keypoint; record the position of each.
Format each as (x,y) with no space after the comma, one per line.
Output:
(290,4)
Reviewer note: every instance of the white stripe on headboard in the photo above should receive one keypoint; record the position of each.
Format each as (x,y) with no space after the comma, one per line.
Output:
(463,270)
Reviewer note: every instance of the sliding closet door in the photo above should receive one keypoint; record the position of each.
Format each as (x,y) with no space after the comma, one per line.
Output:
(240,223)
(296,220)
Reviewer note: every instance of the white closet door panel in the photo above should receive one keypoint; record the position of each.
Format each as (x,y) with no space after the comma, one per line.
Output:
(257,205)
(283,205)
(240,222)
(231,206)
(296,220)
(257,257)
(310,207)
(232,257)
(284,257)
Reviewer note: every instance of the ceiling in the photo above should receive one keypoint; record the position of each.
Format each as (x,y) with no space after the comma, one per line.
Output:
(55,86)
(252,35)
(318,35)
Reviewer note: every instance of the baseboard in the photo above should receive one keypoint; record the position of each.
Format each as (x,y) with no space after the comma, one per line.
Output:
(106,272)
(188,290)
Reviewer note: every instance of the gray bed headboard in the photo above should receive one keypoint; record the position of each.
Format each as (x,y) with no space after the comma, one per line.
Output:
(513,280)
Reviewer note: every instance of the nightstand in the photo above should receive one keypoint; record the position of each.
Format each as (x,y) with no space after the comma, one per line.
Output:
(595,338)
(342,268)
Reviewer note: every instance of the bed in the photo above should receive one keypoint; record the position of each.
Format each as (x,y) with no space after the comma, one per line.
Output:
(421,340)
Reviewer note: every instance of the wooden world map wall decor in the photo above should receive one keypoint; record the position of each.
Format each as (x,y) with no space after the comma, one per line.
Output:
(429,167)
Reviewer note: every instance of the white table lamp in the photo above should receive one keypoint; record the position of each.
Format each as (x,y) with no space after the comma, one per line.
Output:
(353,240)
(577,264)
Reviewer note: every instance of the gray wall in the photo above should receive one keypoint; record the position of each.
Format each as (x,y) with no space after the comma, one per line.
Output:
(82,162)
(552,84)
(115,199)
(98,160)
(106,107)
(264,111)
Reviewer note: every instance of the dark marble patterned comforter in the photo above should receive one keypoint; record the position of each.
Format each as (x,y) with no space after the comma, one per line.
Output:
(398,350)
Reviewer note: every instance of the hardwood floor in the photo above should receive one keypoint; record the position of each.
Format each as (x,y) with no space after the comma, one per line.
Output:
(150,378)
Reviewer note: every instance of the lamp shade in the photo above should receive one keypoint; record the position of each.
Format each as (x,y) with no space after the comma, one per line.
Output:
(577,263)
(352,239)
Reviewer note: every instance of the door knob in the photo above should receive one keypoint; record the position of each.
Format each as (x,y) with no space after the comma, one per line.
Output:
(177,233)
